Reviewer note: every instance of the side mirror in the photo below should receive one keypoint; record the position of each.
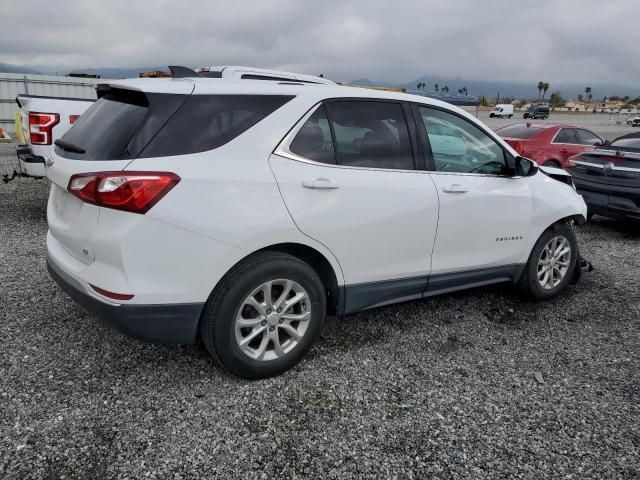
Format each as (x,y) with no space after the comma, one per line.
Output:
(597,144)
(525,167)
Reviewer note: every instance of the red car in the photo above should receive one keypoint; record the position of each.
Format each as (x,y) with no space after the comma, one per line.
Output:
(549,144)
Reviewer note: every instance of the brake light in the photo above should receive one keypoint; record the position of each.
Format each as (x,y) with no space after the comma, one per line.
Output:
(40,126)
(73,118)
(134,192)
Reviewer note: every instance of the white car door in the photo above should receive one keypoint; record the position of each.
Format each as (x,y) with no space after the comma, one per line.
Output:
(485,214)
(352,185)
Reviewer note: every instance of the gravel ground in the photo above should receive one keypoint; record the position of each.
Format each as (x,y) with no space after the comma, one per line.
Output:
(477,384)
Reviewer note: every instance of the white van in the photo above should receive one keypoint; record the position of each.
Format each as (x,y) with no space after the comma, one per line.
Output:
(502,110)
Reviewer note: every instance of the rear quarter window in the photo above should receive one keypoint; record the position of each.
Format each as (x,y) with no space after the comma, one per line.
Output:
(124,124)
(205,122)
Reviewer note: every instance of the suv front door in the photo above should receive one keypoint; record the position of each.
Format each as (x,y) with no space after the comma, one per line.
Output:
(485,212)
(348,177)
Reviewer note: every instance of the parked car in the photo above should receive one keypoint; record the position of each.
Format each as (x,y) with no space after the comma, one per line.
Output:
(502,111)
(44,119)
(634,122)
(608,178)
(550,145)
(243,212)
(536,112)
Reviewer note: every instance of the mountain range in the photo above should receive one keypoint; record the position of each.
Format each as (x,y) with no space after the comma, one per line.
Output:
(487,88)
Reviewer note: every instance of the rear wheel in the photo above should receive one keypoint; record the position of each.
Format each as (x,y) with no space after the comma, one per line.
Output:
(551,263)
(264,316)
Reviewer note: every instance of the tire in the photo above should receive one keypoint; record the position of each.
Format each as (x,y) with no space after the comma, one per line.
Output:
(219,328)
(552,163)
(491,115)
(529,281)
(510,116)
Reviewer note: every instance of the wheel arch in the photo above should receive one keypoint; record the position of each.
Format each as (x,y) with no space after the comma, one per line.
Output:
(319,263)
(330,275)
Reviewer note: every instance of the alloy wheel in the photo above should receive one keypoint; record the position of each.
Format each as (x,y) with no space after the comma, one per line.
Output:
(272,319)
(554,262)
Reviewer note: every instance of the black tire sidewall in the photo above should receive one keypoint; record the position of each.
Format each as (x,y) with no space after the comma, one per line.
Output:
(531,270)
(222,329)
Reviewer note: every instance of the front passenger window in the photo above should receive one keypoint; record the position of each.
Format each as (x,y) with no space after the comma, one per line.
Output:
(459,146)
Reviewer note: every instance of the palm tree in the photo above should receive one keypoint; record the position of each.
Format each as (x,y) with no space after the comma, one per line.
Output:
(587,92)
(465,91)
(459,91)
(545,87)
(436,87)
(540,87)
(444,89)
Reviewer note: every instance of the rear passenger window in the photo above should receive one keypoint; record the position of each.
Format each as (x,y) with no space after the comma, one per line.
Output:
(371,134)
(565,135)
(313,141)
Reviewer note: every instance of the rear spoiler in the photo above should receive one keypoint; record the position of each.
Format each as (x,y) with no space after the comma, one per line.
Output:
(182,72)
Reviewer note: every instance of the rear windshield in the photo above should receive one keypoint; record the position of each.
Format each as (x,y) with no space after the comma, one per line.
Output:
(124,125)
(518,131)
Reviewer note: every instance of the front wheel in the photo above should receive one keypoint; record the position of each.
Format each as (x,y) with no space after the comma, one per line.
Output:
(264,316)
(551,263)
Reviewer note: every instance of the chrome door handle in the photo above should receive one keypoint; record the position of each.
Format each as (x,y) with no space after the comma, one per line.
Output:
(455,188)
(320,184)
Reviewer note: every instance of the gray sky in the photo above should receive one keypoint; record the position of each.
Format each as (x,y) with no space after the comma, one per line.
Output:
(508,40)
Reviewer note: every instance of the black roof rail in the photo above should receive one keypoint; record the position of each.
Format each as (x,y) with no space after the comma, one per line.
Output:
(182,72)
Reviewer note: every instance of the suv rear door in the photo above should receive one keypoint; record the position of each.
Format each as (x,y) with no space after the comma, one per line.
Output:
(349,179)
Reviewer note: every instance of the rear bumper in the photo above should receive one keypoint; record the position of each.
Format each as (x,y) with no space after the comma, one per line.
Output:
(609,200)
(171,323)
(30,165)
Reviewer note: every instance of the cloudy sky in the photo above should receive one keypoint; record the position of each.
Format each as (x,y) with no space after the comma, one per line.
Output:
(385,40)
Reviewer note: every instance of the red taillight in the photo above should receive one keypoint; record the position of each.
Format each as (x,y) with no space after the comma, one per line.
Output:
(40,126)
(133,192)
(108,294)
(73,118)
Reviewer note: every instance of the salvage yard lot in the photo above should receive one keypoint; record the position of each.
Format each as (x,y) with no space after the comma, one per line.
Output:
(444,387)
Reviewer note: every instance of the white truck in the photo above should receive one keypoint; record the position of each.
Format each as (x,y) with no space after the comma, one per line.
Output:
(502,110)
(43,120)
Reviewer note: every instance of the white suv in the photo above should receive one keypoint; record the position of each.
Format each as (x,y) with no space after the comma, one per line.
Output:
(243,212)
